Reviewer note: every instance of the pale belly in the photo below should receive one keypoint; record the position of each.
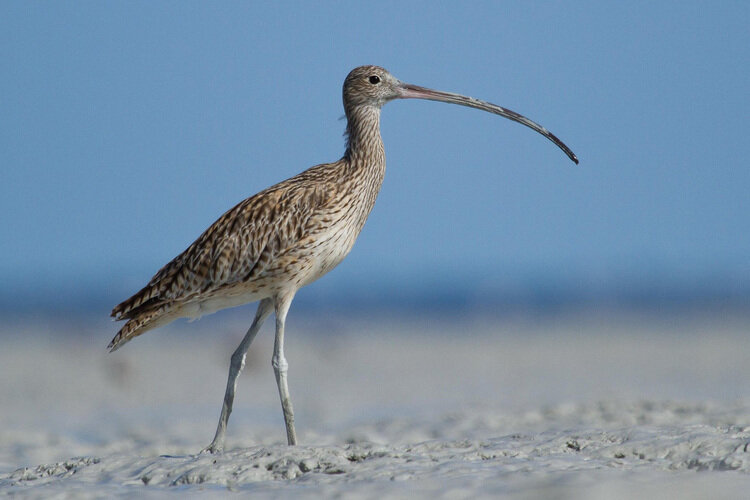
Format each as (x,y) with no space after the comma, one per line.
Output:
(196,309)
(330,249)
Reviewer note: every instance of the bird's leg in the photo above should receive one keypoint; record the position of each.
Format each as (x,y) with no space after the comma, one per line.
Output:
(235,368)
(280,366)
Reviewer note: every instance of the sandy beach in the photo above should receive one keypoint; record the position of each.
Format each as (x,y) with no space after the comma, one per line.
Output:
(574,405)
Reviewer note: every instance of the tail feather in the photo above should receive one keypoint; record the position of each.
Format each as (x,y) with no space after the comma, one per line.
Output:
(146,299)
(140,323)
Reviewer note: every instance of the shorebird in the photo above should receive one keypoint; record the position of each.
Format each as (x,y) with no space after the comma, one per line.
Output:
(270,245)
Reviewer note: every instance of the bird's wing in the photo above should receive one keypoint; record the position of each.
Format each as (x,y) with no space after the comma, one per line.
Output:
(235,248)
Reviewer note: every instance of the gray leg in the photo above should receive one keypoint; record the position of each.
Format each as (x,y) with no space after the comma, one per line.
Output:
(280,366)
(235,367)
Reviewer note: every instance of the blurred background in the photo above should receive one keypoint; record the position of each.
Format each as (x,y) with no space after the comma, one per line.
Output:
(128,127)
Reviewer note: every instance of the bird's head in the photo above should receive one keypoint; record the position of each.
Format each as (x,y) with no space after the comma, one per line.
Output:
(373,86)
(370,86)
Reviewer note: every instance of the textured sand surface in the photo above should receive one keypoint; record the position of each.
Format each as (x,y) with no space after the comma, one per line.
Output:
(579,407)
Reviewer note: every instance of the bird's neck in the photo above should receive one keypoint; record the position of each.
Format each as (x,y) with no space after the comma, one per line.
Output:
(364,161)
(364,145)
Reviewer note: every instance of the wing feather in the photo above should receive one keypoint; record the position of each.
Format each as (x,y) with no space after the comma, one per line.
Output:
(239,245)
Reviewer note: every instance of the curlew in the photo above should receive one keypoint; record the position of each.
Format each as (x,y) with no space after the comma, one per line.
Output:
(285,237)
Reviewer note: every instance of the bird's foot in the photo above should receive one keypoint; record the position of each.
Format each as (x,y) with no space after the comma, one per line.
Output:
(212,449)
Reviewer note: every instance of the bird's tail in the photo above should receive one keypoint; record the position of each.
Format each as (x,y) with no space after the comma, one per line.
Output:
(141,323)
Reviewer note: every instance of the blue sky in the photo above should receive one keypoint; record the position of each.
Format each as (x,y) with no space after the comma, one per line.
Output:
(128,127)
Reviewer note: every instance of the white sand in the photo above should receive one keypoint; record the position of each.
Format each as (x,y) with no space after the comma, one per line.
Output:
(598,406)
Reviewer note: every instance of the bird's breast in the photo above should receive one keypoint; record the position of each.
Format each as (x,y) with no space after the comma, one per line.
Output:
(329,249)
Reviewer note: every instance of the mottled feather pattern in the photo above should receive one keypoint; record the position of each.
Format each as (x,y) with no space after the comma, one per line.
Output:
(230,249)
(242,244)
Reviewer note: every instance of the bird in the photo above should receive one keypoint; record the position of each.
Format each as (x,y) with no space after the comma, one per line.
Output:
(285,237)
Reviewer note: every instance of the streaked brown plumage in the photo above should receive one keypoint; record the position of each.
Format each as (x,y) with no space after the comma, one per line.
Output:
(285,237)
(268,242)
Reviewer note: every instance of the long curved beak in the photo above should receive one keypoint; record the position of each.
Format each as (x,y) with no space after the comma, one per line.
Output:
(409,91)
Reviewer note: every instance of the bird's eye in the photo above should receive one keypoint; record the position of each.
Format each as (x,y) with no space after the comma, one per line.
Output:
(374,79)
